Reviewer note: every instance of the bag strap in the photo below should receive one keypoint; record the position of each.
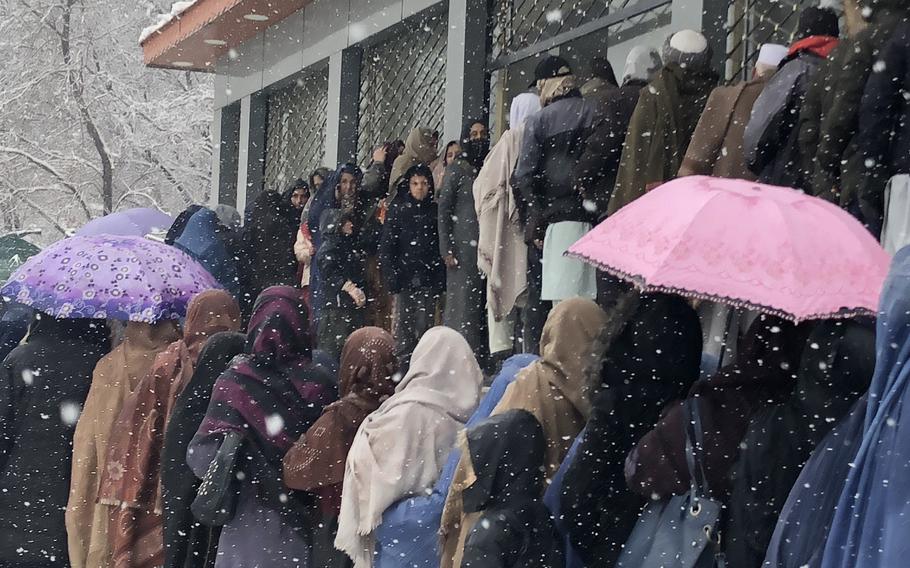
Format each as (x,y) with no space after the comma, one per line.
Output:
(695,447)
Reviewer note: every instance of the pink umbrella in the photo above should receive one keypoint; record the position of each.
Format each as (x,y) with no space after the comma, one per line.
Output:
(767,248)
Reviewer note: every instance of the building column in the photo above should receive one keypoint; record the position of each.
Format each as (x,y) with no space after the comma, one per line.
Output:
(343,112)
(714,28)
(225,154)
(251,152)
(467,82)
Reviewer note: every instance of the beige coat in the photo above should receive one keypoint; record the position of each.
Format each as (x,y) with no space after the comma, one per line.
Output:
(716,148)
(115,377)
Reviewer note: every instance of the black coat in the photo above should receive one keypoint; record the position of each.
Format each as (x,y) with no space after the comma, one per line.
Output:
(187,543)
(884,123)
(340,260)
(409,250)
(832,375)
(598,508)
(771,139)
(43,385)
(543,180)
(595,173)
(515,529)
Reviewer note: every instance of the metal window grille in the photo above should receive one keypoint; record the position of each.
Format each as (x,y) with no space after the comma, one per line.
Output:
(402,82)
(752,23)
(295,129)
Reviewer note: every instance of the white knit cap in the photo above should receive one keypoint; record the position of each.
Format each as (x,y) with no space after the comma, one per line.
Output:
(771,54)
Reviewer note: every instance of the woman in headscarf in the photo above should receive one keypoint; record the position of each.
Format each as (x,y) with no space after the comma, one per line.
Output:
(211,243)
(316,462)
(869,529)
(764,373)
(268,246)
(342,191)
(836,367)
(43,383)
(458,235)
(400,448)
(270,396)
(116,376)
(419,148)
(409,254)
(555,389)
(297,194)
(653,360)
(448,155)
(179,224)
(130,478)
(184,537)
(515,529)
(502,255)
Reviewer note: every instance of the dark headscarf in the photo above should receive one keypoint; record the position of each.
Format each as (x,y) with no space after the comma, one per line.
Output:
(474,151)
(317,460)
(185,538)
(271,395)
(507,456)
(268,243)
(327,199)
(836,367)
(294,186)
(180,223)
(322,172)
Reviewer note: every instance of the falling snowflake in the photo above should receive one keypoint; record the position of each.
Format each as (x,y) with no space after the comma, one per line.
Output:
(274,425)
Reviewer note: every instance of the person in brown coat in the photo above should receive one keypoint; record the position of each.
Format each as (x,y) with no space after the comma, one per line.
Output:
(765,371)
(716,148)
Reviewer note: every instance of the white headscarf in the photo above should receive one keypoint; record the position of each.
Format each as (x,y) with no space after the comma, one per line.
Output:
(400,448)
(641,64)
(523,106)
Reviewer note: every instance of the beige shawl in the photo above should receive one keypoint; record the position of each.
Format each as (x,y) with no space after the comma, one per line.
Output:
(115,377)
(418,149)
(557,87)
(554,390)
(502,255)
(400,449)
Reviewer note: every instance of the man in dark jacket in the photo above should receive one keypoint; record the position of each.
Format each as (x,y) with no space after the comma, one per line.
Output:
(43,385)
(770,142)
(884,136)
(409,257)
(862,187)
(542,180)
(595,174)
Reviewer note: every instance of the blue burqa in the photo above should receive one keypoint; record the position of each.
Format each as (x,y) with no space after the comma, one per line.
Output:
(871,526)
(408,535)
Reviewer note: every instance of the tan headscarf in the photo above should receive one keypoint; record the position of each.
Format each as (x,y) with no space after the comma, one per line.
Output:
(418,149)
(400,449)
(553,389)
(556,87)
(131,476)
(115,377)
(316,462)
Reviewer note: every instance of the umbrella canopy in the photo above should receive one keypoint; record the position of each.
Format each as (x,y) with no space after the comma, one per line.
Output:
(107,276)
(767,248)
(13,252)
(130,222)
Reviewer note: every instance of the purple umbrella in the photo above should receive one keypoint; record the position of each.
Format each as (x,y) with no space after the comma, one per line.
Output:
(107,276)
(130,222)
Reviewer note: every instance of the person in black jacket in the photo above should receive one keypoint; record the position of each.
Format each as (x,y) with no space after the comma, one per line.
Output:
(409,257)
(771,139)
(515,529)
(343,268)
(186,541)
(595,174)
(884,137)
(43,385)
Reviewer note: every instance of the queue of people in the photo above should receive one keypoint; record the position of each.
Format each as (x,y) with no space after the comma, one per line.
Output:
(350,424)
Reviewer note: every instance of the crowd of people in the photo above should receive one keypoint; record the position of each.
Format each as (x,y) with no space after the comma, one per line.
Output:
(426,380)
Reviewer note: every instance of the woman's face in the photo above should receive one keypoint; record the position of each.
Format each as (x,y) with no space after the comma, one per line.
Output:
(317,181)
(419,187)
(452,152)
(478,131)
